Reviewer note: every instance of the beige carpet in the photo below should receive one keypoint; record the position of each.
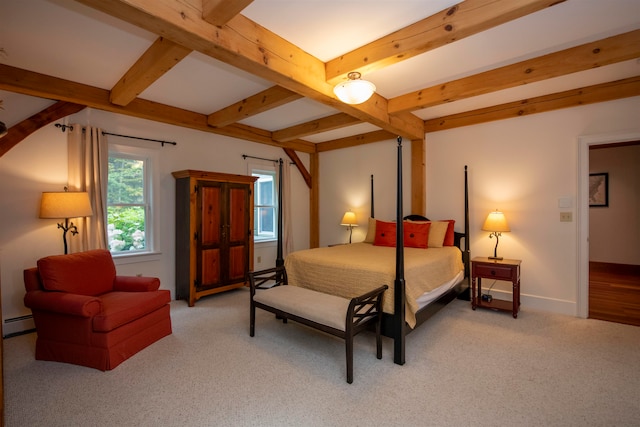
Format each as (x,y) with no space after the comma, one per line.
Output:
(463,368)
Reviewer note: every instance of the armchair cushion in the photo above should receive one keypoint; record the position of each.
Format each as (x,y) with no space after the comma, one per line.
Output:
(85,273)
(119,308)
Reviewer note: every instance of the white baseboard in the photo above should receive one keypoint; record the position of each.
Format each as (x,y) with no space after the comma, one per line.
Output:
(551,305)
(17,325)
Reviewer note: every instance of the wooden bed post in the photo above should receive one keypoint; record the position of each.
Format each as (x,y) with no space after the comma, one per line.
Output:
(279,256)
(399,286)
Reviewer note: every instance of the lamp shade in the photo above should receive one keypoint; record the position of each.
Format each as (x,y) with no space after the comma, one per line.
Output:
(349,218)
(65,204)
(355,90)
(496,221)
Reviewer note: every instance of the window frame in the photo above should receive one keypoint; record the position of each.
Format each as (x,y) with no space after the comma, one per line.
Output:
(264,169)
(151,195)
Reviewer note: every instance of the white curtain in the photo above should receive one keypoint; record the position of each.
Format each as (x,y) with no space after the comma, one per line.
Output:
(287,233)
(88,171)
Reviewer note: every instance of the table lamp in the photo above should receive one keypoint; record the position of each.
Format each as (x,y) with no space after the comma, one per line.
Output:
(349,220)
(496,223)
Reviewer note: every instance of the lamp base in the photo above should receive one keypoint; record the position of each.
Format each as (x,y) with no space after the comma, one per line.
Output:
(496,257)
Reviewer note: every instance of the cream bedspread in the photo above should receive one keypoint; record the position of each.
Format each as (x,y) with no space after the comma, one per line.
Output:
(351,270)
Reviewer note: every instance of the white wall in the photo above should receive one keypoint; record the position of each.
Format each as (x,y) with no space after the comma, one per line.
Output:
(39,163)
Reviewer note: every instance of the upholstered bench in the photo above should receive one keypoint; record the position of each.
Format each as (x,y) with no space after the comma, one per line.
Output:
(337,316)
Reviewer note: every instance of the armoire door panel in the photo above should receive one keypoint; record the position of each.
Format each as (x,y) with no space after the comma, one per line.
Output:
(238,214)
(210,215)
(210,268)
(237,262)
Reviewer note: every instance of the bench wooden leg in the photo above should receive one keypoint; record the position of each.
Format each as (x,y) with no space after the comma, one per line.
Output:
(378,342)
(349,345)
(252,319)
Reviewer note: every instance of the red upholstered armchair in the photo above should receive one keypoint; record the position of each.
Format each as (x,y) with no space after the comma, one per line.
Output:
(86,315)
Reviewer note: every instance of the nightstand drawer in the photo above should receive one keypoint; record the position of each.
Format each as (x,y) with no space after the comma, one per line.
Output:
(493,271)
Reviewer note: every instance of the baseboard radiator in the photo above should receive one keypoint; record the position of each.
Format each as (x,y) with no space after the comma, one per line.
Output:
(18,326)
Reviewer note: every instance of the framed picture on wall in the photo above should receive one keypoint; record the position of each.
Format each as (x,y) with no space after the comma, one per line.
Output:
(598,190)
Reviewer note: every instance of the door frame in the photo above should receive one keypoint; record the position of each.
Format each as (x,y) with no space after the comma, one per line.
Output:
(582,297)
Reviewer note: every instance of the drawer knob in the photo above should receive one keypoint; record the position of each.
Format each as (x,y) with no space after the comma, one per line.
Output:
(493,272)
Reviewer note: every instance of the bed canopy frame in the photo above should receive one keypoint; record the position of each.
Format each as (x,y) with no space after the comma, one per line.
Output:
(394,325)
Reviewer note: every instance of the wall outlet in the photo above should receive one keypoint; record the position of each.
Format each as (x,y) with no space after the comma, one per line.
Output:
(259,259)
(566,216)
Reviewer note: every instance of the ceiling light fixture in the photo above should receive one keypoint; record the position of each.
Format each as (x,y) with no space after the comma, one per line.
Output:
(355,90)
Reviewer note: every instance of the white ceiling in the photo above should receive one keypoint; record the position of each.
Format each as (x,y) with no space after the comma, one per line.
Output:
(68,40)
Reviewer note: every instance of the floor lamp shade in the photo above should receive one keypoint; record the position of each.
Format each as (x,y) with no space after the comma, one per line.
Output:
(65,205)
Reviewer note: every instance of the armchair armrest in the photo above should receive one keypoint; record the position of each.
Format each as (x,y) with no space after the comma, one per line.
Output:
(136,284)
(63,303)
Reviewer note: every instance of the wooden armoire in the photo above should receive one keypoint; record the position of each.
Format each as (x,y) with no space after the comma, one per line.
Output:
(214,232)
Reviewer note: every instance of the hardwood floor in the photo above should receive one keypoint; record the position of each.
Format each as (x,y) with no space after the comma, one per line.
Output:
(614,292)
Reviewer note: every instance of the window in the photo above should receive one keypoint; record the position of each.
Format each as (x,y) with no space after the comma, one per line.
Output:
(265,204)
(129,201)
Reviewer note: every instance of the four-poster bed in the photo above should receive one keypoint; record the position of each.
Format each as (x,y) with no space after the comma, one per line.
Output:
(435,276)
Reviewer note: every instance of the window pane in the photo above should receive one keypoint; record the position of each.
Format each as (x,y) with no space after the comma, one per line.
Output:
(126,181)
(126,228)
(265,191)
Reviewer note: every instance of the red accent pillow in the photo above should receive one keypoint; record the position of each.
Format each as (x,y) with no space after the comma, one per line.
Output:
(385,234)
(449,237)
(416,234)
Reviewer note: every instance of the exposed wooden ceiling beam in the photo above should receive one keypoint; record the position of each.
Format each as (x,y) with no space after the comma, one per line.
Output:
(248,46)
(324,124)
(614,49)
(571,98)
(26,127)
(266,100)
(219,12)
(462,20)
(43,86)
(355,140)
(153,64)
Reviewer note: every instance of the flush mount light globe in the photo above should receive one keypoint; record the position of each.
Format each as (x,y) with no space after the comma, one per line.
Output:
(355,90)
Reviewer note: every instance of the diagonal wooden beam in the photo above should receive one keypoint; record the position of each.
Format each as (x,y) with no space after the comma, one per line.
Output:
(355,140)
(219,12)
(26,127)
(462,20)
(248,46)
(35,84)
(614,49)
(266,100)
(153,64)
(324,124)
(306,175)
(571,98)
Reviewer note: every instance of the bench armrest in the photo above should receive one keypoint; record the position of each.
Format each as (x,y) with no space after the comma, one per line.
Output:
(63,303)
(364,307)
(265,279)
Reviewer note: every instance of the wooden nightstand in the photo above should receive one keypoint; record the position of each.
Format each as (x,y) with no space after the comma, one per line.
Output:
(503,269)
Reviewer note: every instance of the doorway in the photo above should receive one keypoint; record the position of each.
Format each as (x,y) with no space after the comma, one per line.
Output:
(583,213)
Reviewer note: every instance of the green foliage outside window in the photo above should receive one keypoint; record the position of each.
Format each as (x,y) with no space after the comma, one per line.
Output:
(126,211)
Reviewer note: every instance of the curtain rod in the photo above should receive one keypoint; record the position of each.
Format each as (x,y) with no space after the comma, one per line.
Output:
(246,156)
(64,128)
